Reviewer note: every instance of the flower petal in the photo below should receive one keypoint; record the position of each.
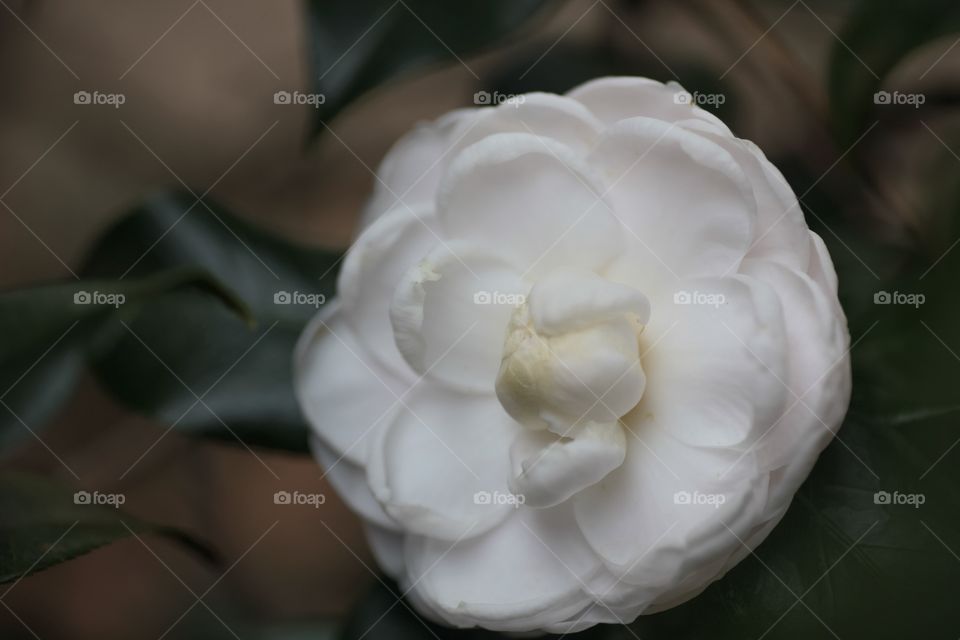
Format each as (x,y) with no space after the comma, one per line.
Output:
(387,548)
(614,99)
(527,572)
(660,521)
(688,205)
(409,173)
(343,398)
(715,361)
(817,368)
(547,470)
(350,482)
(821,267)
(571,300)
(443,450)
(371,272)
(781,231)
(533,201)
(450,315)
(542,114)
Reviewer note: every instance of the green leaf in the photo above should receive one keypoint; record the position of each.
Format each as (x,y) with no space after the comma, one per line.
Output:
(193,364)
(43,524)
(48,328)
(877,36)
(359,44)
(379,616)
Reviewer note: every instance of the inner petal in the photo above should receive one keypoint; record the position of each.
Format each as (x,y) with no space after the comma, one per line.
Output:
(533,200)
(570,370)
(548,469)
(571,354)
(449,310)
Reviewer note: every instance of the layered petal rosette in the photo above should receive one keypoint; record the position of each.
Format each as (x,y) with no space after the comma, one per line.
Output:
(584,353)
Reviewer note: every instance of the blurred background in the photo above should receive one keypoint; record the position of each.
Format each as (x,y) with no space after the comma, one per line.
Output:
(178,153)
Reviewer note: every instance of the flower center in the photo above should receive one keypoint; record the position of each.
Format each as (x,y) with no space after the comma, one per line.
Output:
(571,355)
(570,370)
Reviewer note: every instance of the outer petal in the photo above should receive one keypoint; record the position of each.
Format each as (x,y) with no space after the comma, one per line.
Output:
(715,359)
(450,315)
(647,523)
(781,232)
(818,372)
(387,548)
(411,170)
(781,227)
(370,274)
(350,482)
(528,572)
(442,452)
(346,400)
(542,114)
(687,203)
(613,99)
(532,201)
(581,621)
(821,268)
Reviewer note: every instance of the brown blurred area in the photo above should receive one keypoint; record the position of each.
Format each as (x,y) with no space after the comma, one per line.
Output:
(199,79)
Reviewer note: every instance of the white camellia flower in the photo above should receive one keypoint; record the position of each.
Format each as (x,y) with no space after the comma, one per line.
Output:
(584,353)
